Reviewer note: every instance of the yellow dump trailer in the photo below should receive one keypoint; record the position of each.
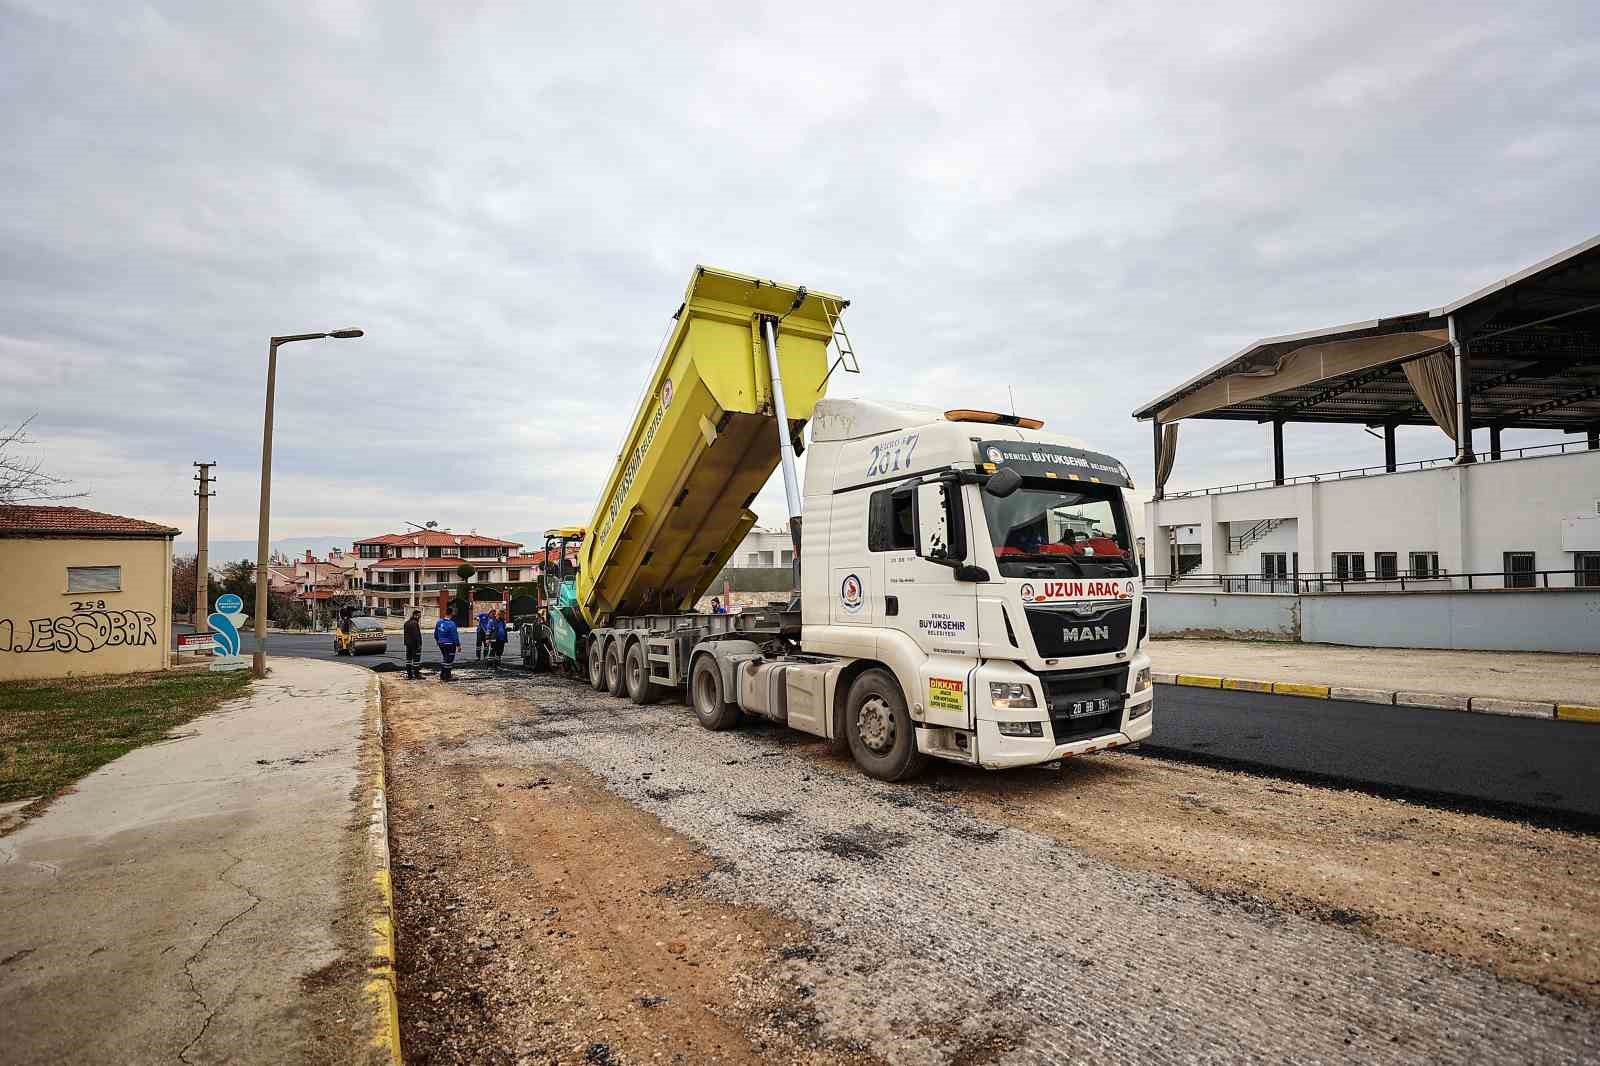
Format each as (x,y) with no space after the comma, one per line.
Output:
(703,443)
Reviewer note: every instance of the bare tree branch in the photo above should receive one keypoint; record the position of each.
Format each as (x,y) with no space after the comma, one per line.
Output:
(21,479)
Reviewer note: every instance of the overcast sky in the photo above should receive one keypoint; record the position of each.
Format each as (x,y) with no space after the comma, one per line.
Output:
(1086,204)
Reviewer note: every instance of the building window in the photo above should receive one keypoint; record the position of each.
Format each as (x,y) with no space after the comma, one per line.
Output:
(1275,566)
(1385,565)
(1519,570)
(1424,564)
(1587,565)
(788,557)
(1349,566)
(94,579)
(513,575)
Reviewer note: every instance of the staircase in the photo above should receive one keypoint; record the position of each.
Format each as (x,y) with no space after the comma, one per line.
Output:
(1253,534)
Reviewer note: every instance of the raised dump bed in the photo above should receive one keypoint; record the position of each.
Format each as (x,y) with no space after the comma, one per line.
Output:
(703,443)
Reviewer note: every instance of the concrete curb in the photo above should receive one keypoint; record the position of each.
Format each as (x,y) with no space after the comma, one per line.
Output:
(1549,711)
(381,990)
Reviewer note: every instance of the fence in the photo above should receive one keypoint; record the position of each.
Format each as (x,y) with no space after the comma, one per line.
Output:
(1400,581)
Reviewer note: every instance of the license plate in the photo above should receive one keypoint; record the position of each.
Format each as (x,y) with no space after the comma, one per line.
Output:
(1085,708)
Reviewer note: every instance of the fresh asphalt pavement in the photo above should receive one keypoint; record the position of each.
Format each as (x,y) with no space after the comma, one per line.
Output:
(1516,762)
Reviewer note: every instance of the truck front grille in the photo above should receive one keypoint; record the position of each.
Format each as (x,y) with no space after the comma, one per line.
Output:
(1064,687)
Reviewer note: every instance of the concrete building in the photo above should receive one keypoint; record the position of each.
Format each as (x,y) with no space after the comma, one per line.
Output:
(763,548)
(82,592)
(1520,523)
(401,571)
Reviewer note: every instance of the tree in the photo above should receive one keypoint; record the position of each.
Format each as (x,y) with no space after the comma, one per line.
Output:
(21,480)
(183,575)
(464,590)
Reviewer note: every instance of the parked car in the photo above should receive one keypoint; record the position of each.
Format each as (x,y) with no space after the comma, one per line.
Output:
(366,634)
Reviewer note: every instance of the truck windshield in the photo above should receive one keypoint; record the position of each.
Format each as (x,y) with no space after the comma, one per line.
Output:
(1042,530)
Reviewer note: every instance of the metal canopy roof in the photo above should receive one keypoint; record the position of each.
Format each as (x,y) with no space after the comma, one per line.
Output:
(1533,339)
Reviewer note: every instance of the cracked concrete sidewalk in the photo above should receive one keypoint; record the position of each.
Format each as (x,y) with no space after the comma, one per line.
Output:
(201,899)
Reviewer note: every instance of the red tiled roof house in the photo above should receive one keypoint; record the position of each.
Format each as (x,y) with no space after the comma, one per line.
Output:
(82,592)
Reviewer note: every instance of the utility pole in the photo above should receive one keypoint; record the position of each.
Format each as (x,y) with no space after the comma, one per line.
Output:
(202,561)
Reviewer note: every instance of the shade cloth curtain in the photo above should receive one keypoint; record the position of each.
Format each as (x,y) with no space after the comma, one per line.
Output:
(1433,379)
(1169,452)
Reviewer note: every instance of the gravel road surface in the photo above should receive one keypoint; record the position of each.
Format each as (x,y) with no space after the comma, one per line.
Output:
(935,930)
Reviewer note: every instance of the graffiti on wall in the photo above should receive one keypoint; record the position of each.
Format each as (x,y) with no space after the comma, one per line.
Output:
(90,627)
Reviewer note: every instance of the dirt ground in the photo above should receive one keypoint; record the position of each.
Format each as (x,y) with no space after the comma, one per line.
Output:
(544,920)
(1519,900)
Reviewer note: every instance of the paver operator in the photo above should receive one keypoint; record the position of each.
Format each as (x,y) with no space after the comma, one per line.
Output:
(413,630)
(448,638)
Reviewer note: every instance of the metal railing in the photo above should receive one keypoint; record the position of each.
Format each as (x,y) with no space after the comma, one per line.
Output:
(1400,581)
(1558,448)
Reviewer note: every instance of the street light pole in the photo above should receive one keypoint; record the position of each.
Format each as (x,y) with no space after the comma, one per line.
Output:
(262,594)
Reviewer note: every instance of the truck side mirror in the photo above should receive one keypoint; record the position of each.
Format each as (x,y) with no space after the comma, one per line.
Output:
(1003,482)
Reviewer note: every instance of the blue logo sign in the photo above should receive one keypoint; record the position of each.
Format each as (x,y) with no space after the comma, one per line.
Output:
(224,622)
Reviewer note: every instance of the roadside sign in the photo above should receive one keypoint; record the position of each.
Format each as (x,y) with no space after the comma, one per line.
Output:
(229,604)
(197,642)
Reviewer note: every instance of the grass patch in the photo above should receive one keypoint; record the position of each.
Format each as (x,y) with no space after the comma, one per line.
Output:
(54,732)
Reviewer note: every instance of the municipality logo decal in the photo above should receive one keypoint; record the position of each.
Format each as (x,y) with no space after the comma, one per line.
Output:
(996,455)
(666,394)
(850,594)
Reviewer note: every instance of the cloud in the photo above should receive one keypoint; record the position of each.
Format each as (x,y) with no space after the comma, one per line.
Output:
(1087,206)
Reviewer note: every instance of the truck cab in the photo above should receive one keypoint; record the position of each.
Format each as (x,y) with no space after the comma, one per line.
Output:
(989,567)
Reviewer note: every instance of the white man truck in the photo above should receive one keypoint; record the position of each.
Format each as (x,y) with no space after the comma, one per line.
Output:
(968,588)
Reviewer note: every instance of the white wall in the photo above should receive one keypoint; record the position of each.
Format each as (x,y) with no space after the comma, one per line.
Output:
(1469,515)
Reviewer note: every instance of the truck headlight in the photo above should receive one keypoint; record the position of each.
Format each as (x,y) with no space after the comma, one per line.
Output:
(1141,680)
(1020,729)
(1011,694)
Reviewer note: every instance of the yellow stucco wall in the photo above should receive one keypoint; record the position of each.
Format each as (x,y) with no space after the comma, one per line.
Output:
(45,632)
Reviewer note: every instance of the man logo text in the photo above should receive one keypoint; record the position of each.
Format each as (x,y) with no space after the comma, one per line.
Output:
(1086,633)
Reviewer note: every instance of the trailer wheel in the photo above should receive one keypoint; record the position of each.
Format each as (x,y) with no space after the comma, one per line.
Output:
(597,667)
(636,670)
(882,738)
(705,695)
(616,681)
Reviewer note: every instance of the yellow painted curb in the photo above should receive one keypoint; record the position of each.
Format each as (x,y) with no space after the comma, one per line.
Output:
(381,989)
(1577,712)
(1200,680)
(1245,684)
(1295,688)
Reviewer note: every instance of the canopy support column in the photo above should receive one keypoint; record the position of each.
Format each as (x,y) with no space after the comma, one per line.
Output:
(1463,395)
(1494,442)
(1594,438)
(1155,427)
(1388,447)
(1277,451)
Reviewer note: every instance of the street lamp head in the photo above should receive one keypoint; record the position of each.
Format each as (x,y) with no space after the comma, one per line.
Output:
(345,334)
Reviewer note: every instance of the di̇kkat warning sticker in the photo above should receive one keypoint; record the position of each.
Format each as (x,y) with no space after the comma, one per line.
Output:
(945,694)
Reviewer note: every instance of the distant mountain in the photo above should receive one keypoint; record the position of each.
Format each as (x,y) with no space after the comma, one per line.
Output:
(228,551)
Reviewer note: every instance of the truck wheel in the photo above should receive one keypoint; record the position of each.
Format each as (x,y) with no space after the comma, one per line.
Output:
(705,695)
(636,669)
(882,737)
(597,667)
(616,682)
